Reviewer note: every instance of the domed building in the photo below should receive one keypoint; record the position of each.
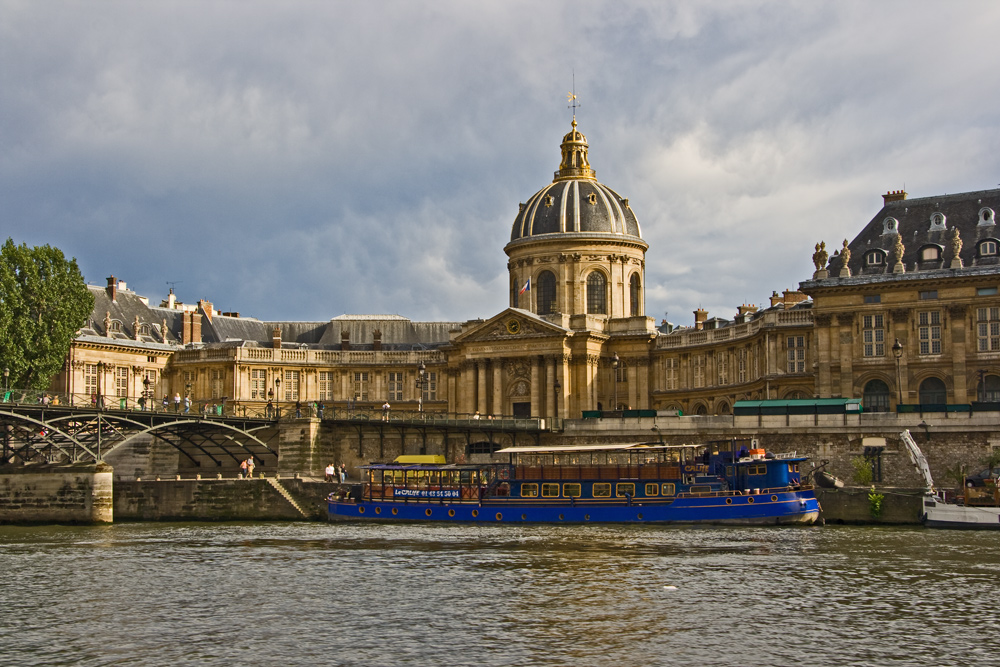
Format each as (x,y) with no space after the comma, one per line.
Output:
(575,337)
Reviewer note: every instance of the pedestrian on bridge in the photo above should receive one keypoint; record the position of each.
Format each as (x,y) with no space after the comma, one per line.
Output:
(187,404)
(385,411)
(166,402)
(177,403)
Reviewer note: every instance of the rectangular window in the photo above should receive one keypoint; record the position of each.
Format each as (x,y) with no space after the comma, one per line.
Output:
(741,362)
(988,329)
(291,385)
(652,489)
(529,490)
(698,370)
(258,384)
(796,354)
(90,378)
(722,366)
(572,490)
(361,386)
(873,298)
(602,490)
(430,391)
(670,370)
(217,383)
(394,386)
(668,489)
(550,490)
(929,294)
(623,488)
(873,335)
(121,381)
(929,332)
(986,291)
(326,385)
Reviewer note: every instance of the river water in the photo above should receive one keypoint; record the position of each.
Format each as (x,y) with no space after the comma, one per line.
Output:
(317,594)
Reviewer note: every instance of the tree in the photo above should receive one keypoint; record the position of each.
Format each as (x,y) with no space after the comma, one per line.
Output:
(43,303)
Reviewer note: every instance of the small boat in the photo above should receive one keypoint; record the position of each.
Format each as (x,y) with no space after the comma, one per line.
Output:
(978,509)
(717,483)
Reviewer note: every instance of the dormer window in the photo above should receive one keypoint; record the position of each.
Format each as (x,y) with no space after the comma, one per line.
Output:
(930,254)
(116,327)
(938,222)
(987,217)
(143,329)
(592,198)
(988,248)
(548,200)
(875,258)
(890,226)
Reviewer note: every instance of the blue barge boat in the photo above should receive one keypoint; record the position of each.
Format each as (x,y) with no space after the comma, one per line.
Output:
(718,483)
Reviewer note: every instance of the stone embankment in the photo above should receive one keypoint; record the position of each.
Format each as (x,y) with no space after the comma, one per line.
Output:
(70,493)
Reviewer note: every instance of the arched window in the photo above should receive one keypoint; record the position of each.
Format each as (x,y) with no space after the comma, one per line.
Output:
(596,298)
(546,293)
(989,391)
(875,397)
(988,248)
(116,326)
(932,390)
(635,295)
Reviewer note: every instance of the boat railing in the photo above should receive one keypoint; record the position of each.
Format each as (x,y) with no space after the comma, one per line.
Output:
(599,472)
(738,492)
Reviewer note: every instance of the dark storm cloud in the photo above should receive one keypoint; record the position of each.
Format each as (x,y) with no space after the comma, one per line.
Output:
(301,160)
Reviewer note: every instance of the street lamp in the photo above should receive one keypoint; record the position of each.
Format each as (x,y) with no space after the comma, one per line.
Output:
(421,385)
(145,393)
(277,395)
(897,351)
(614,377)
(100,381)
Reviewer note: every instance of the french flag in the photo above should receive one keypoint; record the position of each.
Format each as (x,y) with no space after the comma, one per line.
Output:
(527,286)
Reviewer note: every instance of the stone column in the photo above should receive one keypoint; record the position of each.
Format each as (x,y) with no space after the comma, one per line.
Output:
(957,329)
(548,409)
(481,404)
(497,388)
(467,388)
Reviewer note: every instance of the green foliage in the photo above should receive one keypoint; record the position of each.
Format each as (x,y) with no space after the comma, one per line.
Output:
(43,303)
(875,503)
(993,459)
(862,470)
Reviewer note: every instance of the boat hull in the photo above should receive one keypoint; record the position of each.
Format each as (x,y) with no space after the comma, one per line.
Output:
(946,515)
(786,507)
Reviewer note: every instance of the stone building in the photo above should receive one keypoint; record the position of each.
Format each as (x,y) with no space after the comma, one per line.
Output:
(576,338)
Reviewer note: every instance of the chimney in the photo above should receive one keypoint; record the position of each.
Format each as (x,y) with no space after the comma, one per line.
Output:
(793,297)
(893,195)
(775,299)
(206,307)
(377,345)
(747,309)
(112,288)
(345,339)
(192,327)
(276,338)
(700,316)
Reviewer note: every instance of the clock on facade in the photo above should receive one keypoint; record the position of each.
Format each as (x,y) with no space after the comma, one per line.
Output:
(513,326)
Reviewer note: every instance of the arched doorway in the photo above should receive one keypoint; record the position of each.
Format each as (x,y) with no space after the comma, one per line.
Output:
(932,390)
(875,397)
(988,389)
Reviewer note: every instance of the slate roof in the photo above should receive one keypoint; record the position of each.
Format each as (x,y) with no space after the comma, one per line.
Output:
(123,311)
(963,211)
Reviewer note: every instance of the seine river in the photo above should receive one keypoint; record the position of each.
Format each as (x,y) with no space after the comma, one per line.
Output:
(320,594)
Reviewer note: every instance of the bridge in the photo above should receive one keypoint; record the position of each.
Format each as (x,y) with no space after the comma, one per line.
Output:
(66,433)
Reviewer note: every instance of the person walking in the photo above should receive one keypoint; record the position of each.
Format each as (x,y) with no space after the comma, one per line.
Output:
(177,403)
(166,402)
(343,473)
(329,472)
(385,411)
(319,409)
(187,404)
(250,467)
(243,468)
(298,409)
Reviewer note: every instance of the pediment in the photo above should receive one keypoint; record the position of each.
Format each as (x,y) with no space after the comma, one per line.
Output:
(512,324)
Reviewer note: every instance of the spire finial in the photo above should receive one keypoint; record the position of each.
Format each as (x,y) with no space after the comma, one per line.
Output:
(571,97)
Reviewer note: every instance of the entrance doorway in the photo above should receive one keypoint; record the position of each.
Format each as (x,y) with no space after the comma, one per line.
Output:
(522,410)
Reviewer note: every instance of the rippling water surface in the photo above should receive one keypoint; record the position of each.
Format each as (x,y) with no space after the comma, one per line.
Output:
(311,594)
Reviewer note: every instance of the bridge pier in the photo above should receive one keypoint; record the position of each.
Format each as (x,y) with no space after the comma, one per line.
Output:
(54,493)
(299,447)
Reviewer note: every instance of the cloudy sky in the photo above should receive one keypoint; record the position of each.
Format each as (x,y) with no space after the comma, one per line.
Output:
(302,160)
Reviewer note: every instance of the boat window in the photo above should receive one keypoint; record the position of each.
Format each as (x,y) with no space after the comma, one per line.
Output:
(602,490)
(652,489)
(701,489)
(668,489)
(529,490)
(730,471)
(572,490)
(625,488)
(550,490)
(757,470)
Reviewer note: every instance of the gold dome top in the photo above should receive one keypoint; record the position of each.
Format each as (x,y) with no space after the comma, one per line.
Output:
(574,157)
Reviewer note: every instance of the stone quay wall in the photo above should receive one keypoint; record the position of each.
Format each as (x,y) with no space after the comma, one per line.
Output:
(73,493)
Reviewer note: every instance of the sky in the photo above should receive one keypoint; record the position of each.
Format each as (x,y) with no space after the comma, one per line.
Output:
(297,161)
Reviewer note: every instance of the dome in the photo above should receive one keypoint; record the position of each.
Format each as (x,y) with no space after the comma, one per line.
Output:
(575,203)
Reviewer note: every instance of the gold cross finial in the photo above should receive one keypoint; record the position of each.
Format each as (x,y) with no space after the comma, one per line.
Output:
(571,97)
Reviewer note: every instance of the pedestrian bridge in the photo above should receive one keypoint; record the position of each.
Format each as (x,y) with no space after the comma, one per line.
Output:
(35,433)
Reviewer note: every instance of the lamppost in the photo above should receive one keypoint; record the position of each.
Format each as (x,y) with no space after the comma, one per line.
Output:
(277,394)
(421,386)
(897,351)
(614,378)
(145,393)
(100,382)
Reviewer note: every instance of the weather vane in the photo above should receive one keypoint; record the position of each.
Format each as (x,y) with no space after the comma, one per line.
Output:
(571,97)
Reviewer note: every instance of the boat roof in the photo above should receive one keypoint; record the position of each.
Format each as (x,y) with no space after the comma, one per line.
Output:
(559,449)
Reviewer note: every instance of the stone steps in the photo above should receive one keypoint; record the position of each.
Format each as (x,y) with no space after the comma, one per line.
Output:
(287,496)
